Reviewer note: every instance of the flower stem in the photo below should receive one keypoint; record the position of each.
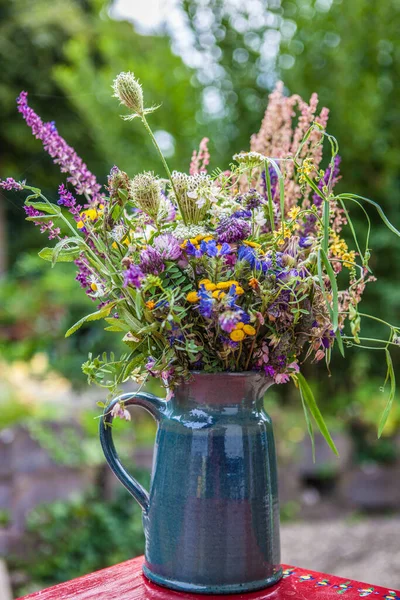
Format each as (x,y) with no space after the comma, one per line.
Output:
(164,162)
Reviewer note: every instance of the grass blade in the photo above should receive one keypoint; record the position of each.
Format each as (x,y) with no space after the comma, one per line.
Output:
(309,399)
(389,375)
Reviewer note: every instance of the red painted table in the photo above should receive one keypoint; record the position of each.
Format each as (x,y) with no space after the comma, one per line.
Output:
(126,582)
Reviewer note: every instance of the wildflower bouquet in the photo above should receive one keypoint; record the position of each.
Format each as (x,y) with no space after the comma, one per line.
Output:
(230,271)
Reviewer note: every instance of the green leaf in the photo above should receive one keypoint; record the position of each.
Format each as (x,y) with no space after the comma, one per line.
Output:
(310,402)
(139,305)
(339,342)
(40,218)
(51,209)
(65,255)
(389,375)
(309,424)
(96,316)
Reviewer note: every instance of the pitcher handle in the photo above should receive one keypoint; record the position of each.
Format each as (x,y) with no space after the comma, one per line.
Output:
(156,407)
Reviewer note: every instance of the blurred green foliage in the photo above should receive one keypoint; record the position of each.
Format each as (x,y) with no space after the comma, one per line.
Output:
(75,537)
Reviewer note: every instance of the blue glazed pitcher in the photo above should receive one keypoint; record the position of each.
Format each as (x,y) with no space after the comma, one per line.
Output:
(211,518)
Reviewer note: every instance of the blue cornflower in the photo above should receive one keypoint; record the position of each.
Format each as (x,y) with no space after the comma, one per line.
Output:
(210,248)
(206,302)
(193,251)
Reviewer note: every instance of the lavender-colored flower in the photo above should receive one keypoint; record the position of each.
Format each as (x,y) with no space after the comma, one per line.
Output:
(192,250)
(281,378)
(45,226)
(83,275)
(168,246)
(232,230)
(80,177)
(66,199)
(133,276)
(151,261)
(10,184)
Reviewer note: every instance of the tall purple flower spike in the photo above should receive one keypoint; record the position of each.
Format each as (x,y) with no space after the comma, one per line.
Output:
(63,155)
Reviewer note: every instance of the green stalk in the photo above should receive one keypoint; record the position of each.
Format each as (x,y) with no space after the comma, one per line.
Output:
(164,162)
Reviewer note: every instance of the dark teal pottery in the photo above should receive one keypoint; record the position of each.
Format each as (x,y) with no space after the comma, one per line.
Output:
(211,518)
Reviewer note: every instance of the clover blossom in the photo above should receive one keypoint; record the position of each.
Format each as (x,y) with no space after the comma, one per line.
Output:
(168,246)
(233,230)
(151,261)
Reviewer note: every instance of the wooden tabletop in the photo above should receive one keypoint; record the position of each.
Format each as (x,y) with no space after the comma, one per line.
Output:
(126,582)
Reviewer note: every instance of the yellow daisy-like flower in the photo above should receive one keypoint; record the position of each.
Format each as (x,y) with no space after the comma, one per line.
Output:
(150,304)
(210,287)
(225,285)
(286,234)
(239,290)
(237,335)
(93,286)
(218,294)
(239,325)
(192,297)
(204,281)
(249,330)
(251,244)
(90,214)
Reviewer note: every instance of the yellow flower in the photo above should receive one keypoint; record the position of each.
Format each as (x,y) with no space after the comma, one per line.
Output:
(210,287)
(286,234)
(249,330)
(150,304)
(192,297)
(237,335)
(90,213)
(184,244)
(239,325)
(93,286)
(204,281)
(114,245)
(80,224)
(293,212)
(349,259)
(207,238)
(225,285)
(251,244)
(218,294)
(239,290)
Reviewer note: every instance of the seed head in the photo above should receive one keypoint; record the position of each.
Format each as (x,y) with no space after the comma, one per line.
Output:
(129,92)
(146,193)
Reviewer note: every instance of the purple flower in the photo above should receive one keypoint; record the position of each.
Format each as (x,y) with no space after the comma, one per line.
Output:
(232,230)
(250,255)
(305,242)
(168,246)
(269,370)
(251,199)
(206,302)
(229,319)
(83,275)
(151,261)
(66,199)
(80,177)
(242,214)
(10,184)
(45,226)
(133,276)
(191,250)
